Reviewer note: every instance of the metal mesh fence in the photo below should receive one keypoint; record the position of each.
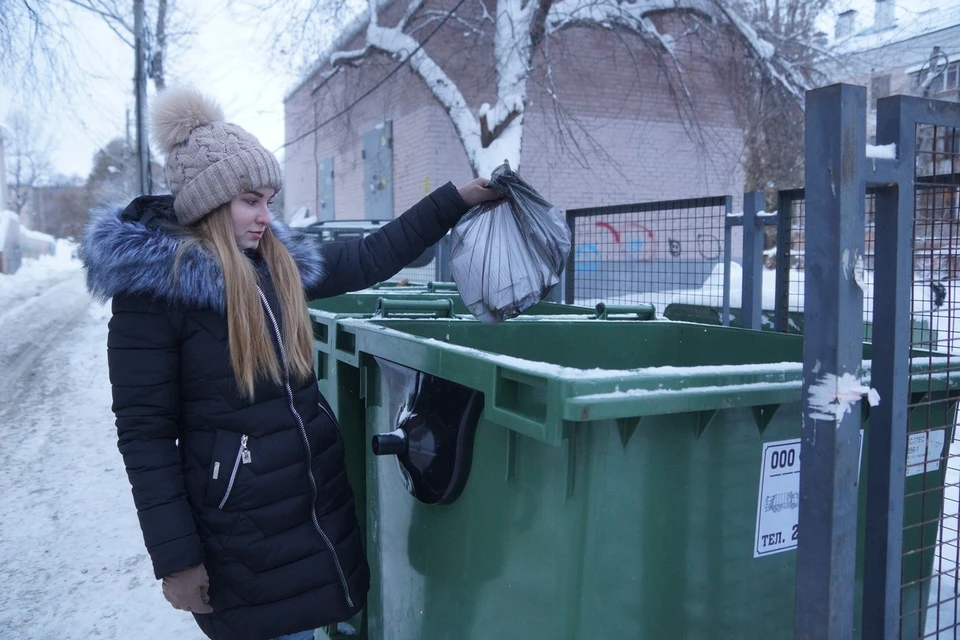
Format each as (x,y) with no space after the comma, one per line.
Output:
(790,257)
(930,607)
(791,260)
(655,252)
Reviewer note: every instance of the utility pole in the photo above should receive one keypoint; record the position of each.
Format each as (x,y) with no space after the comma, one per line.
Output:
(4,203)
(140,80)
(133,178)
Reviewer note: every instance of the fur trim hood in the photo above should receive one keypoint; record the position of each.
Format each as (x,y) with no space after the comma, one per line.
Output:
(131,250)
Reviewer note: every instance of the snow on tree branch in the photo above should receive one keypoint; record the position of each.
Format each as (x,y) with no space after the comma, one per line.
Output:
(494,130)
(793,82)
(635,16)
(341,57)
(404,47)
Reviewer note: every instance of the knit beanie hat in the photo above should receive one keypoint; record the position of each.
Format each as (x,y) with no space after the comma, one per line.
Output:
(209,161)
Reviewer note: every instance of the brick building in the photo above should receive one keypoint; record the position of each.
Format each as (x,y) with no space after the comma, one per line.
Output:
(619,138)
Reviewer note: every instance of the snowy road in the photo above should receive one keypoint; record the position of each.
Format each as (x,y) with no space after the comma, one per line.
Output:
(72,557)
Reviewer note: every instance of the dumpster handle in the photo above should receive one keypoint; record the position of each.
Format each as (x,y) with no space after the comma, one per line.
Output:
(643,311)
(441,308)
(433,287)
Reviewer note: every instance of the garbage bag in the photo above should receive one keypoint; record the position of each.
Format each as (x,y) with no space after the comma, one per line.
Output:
(507,255)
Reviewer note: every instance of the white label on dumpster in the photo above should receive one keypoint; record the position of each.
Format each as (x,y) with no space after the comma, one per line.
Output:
(779,505)
(923,451)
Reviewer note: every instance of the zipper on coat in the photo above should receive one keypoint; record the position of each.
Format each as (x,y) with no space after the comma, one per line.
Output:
(306,444)
(243,455)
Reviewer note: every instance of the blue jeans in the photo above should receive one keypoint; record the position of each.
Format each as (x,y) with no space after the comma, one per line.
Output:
(300,635)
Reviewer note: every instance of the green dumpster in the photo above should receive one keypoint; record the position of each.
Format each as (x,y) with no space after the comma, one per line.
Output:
(616,481)
(923,334)
(336,366)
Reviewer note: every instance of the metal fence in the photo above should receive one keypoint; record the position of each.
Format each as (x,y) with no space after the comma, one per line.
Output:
(653,252)
(790,259)
(901,247)
(929,606)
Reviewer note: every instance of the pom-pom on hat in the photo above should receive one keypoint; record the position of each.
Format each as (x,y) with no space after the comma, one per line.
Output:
(209,161)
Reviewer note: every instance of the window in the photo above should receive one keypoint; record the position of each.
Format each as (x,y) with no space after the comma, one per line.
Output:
(946,82)
(951,78)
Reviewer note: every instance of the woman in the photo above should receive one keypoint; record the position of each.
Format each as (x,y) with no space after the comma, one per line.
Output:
(235,460)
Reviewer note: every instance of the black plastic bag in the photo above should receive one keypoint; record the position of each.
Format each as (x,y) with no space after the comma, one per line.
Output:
(507,255)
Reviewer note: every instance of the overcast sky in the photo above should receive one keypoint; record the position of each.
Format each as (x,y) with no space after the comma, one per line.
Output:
(229,57)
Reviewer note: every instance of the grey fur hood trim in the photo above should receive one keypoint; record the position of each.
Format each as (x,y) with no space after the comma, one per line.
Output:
(131,251)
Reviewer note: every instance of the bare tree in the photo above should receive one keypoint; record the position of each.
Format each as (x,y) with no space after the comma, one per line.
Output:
(491,129)
(773,124)
(27,158)
(32,44)
(35,37)
(167,26)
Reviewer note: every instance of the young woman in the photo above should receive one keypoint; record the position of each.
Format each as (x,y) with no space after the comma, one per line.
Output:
(235,460)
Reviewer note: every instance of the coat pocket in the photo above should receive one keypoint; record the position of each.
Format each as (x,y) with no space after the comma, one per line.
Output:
(327,410)
(230,451)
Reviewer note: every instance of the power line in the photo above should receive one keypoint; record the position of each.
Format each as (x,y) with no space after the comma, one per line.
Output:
(376,86)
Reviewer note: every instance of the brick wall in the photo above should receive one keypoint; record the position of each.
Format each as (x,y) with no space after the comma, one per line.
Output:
(612,135)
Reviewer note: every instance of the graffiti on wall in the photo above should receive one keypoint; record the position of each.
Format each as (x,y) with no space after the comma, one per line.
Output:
(636,242)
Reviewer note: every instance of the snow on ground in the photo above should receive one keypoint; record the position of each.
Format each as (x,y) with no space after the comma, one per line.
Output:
(943,610)
(74,564)
(72,561)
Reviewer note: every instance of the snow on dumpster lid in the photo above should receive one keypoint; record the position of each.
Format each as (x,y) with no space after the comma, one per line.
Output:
(575,374)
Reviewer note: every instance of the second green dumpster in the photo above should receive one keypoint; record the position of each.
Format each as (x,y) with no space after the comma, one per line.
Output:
(629,486)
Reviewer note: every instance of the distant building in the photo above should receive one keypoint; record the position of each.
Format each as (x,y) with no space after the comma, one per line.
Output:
(896,50)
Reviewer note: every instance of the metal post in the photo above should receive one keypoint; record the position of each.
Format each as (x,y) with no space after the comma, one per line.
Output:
(886,453)
(140,86)
(727,259)
(784,225)
(751,297)
(570,276)
(835,123)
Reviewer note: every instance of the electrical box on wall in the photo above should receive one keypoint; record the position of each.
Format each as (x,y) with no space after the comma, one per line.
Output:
(378,172)
(325,209)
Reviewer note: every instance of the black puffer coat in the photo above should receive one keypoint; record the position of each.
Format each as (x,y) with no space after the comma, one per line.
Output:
(256,491)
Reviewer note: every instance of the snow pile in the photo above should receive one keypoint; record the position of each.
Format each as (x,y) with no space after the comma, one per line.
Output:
(63,259)
(34,274)
(8,219)
(942,602)
(36,235)
(711,293)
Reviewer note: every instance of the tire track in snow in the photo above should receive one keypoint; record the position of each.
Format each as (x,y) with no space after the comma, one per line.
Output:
(29,327)
(74,564)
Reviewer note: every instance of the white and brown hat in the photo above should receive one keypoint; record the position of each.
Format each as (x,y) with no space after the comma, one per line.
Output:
(209,161)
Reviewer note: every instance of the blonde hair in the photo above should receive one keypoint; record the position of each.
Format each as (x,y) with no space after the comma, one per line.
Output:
(249,331)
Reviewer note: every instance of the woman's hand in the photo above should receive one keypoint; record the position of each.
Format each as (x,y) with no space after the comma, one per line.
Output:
(475,192)
(188,590)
